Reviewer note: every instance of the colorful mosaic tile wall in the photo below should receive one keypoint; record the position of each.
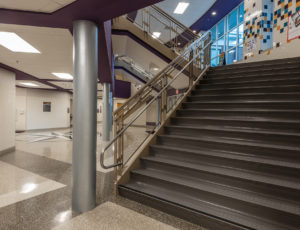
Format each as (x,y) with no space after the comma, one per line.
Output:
(266,24)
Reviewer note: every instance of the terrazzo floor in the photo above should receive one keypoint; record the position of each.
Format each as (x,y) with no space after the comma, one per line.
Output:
(35,190)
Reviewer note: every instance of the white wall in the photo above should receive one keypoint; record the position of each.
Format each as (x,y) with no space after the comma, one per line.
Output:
(35,118)
(21,95)
(7,109)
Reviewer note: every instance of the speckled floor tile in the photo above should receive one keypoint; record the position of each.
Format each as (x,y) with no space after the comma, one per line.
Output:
(18,184)
(112,216)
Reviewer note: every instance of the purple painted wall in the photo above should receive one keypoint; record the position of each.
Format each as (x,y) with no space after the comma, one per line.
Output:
(122,89)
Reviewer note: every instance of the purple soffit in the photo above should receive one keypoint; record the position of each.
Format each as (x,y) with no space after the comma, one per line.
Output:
(24,76)
(94,10)
(221,7)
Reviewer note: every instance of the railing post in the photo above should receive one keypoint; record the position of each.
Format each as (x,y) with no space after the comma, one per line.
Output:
(163,100)
(191,69)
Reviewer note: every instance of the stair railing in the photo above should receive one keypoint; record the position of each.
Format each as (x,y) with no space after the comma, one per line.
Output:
(163,27)
(129,64)
(154,102)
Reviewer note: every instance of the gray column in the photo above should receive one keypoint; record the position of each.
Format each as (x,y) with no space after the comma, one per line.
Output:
(85,50)
(106,121)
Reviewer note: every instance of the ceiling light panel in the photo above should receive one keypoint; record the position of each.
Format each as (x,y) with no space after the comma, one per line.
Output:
(66,76)
(29,84)
(181,7)
(15,43)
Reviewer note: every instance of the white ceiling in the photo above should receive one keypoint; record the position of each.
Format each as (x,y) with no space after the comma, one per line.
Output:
(46,6)
(195,10)
(55,45)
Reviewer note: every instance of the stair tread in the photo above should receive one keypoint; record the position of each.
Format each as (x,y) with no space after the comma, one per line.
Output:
(260,75)
(247,70)
(237,101)
(266,200)
(233,155)
(240,118)
(234,141)
(247,94)
(246,81)
(244,110)
(228,171)
(212,208)
(235,129)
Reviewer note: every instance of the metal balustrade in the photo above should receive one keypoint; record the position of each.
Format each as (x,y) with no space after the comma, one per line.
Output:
(157,99)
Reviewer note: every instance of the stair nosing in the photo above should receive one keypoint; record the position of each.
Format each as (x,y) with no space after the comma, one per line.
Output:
(260,177)
(186,184)
(234,142)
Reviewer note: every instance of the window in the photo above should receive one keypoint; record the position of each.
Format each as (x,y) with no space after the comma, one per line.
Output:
(232,19)
(221,28)
(241,33)
(227,36)
(231,56)
(232,38)
(241,13)
(221,45)
(213,33)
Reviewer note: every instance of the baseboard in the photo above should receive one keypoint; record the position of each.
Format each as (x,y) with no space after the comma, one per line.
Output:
(11,149)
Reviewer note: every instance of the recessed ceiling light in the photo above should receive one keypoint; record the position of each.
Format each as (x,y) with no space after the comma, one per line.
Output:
(66,76)
(155,69)
(15,43)
(195,31)
(181,7)
(214,13)
(156,34)
(29,84)
(179,43)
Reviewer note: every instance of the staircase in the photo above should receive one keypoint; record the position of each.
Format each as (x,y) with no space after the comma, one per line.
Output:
(230,158)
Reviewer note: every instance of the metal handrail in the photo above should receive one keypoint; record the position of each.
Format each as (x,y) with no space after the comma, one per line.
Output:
(175,21)
(177,30)
(162,72)
(150,103)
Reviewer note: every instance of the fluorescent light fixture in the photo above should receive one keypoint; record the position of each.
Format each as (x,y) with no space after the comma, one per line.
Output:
(231,51)
(214,13)
(29,84)
(181,7)
(66,76)
(156,34)
(15,43)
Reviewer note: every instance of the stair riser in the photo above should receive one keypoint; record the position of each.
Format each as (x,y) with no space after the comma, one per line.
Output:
(199,96)
(237,164)
(256,65)
(244,184)
(245,105)
(243,206)
(187,214)
(253,115)
(284,127)
(248,84)
(248,72)
(287,140)
(249,78)
(219,146)
(253,90)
